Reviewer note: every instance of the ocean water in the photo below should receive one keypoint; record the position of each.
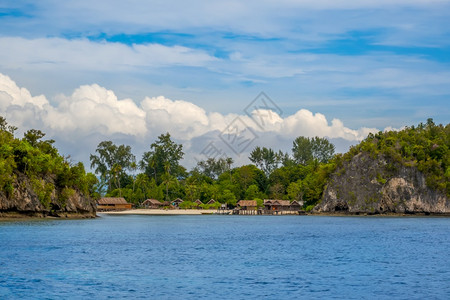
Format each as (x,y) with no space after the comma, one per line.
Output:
(226,257)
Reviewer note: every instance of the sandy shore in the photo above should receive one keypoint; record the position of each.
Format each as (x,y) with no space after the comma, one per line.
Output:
(160,212)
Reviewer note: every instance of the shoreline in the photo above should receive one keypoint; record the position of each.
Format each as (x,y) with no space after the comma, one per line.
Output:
(144,211)
(17,216)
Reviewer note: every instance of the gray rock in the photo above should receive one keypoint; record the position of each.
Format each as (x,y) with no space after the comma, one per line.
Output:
(25,201)
(376,185)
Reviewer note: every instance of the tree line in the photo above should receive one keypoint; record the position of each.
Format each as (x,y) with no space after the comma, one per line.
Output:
(299,175)
(33,162)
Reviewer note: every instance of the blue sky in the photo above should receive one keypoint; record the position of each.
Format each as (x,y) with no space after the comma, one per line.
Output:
(369,65)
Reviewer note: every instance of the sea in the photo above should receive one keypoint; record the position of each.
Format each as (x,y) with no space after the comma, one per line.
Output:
(226,257)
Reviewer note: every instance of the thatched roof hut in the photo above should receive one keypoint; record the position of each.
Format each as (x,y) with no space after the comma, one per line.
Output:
(113,203)
(281,205)
(152,203)
(296,205)
(177,202)
(247,204)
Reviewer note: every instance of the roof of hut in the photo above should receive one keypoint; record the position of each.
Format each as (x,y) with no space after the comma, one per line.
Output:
(111,200)
(247,203)
(152,201)
(212,201)
(277,202)
(178,200)
(198,201)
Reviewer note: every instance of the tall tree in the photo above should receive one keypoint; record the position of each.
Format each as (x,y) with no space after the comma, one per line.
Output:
(213,168)
(162,152)
(322,149)
(266,159)
(306,149)
(112,162)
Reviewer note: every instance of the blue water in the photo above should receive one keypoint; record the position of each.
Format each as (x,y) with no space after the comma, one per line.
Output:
(226,257)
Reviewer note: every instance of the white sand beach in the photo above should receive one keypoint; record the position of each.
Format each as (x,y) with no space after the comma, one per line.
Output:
(143,211)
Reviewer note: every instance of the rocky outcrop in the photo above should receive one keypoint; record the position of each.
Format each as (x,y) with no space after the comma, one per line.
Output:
(376,185)
(24,200)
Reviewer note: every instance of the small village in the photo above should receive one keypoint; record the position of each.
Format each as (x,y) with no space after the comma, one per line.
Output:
(243,207)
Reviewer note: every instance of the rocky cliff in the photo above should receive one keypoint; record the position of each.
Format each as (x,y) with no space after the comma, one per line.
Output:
(377,185)
(39,198)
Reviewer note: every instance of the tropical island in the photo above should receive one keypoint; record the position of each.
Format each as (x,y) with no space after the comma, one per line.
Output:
(392,172)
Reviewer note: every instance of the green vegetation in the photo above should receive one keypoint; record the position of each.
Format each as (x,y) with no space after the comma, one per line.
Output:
(309,149)
(39,161)
(425,147)
(301,175)
(274,175)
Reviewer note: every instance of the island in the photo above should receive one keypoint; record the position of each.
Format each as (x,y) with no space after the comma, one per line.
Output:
(404,172)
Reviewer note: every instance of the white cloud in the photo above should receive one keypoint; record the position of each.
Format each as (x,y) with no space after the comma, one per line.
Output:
(183,119)
(12,95)
(306,123)
(92,109)
(82,54)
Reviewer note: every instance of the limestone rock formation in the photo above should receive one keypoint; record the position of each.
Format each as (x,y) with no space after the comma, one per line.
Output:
(25,201)
(377,185)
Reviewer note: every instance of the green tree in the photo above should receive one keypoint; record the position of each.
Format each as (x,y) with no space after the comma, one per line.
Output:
(252,192)
(266,159)
(306,149)
(295,191)
(247,175)
(162,152)
(227,196)
(212,167)
(112,162)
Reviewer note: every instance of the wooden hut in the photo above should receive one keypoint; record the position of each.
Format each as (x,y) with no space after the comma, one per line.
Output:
(267,204)
(247,205)
(177,202)
(212,201)
(296,205)
(110,203)
(198,203)
(274,206)
(152,204)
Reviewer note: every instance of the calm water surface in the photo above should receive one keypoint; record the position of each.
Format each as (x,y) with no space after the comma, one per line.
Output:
(226,257)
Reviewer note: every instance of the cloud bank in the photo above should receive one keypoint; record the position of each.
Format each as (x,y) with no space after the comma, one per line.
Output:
(94,111)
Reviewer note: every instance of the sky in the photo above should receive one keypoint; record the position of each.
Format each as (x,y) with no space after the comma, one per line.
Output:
(221,76)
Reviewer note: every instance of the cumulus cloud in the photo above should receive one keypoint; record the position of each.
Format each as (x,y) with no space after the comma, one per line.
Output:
(306,123)
(92,110)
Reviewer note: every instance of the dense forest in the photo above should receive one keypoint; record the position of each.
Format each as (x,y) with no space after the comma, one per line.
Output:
(34,163)
(278,175)
(299,175)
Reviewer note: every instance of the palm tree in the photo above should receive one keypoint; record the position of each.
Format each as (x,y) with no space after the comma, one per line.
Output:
(168,179)
(115,171)
(229,161)
(133,167)
(142,182)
